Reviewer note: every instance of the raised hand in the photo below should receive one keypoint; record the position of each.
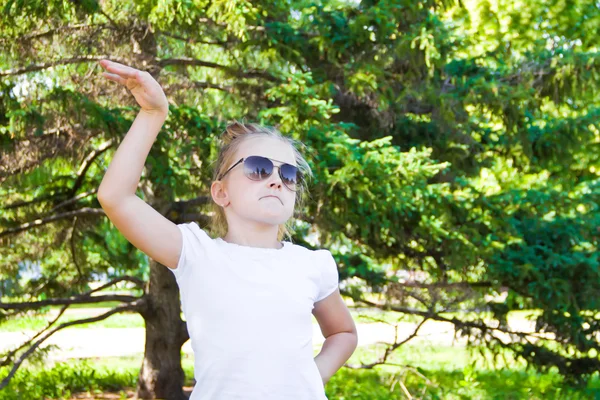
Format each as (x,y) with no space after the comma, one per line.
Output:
(146,90)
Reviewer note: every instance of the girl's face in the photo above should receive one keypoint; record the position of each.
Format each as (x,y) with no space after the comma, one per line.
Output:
(265,202)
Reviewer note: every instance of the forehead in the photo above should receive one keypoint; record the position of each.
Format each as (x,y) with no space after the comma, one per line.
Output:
(269,147)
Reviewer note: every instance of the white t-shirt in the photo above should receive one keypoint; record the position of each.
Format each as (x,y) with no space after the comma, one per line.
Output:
(249,316)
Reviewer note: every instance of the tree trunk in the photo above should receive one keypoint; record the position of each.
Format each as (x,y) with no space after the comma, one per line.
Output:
(161,375)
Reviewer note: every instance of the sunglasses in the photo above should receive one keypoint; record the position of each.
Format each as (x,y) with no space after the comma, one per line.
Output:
(258,168)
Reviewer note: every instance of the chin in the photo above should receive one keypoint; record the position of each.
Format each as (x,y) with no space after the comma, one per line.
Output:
(274,219)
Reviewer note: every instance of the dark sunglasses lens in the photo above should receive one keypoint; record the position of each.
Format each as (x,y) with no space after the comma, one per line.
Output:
(290,175)
(257,168)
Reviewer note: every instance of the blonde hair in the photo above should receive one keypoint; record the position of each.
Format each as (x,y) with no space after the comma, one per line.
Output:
(230,141)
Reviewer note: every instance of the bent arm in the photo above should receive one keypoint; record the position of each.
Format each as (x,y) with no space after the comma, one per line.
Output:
(124,172)
(141,224)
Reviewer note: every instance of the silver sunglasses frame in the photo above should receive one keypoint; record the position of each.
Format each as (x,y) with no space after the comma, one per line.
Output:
(274,166)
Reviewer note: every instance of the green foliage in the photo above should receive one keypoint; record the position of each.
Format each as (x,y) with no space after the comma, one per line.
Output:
(63,380)
(454,144)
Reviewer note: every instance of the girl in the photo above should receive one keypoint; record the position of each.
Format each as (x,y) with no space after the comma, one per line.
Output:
(247,296)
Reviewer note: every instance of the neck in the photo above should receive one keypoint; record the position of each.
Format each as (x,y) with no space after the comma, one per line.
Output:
(254,238)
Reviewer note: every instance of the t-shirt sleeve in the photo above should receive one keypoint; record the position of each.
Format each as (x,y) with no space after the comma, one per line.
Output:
(329,273)
(194,246)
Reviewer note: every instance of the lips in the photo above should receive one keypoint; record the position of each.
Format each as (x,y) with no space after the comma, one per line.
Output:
(274,197)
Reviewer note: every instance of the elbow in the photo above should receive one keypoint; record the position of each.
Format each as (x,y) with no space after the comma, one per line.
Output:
(102,197)
(105,199)
(101,193)
(355,338)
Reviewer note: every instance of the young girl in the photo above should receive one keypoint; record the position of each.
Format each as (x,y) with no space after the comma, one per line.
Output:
(247,296)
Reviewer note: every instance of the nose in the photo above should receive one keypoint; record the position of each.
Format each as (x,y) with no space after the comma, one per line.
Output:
(275,178)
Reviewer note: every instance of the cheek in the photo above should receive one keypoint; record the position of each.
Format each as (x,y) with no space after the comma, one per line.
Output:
(246,197)
(240,189)
(291,202)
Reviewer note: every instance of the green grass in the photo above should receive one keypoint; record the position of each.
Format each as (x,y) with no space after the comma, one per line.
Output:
(436,372)
(63,379)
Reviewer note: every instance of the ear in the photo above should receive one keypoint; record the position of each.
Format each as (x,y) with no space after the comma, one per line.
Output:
(218,191)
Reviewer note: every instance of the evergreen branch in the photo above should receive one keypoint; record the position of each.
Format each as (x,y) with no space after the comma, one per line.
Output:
(51,32)
(74,199)
(39,222)
(23,203)
(87,162)
(63,61)
(200,63)
(162,63)
(192,40)
(197,85)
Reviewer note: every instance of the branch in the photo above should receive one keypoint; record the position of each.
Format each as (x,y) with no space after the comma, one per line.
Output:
(129,307)
(73,250)
(210,21)
(192,40)
(197,85)
(74,199)
(38,222)
(138,282)
(50,32)
(87,162)
(34,144)
(64,61)
(416,372)
(176,211)
(11,354)
(161,63)
(436,317)
(86,295)
(80,176)
(196,201)
(199,63)
(67,300)
(114,24)
(22,203)
(444,285)
(393,347)
(202,219)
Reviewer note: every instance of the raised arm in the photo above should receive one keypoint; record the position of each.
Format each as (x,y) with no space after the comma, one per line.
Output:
(141,224)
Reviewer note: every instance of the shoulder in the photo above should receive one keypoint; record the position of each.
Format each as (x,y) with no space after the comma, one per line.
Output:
(323,256)
(196,240)
(316,256)
(304,250)
(192,230)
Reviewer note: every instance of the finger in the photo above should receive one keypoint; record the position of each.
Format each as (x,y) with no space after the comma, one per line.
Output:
(120,69)
(114,77)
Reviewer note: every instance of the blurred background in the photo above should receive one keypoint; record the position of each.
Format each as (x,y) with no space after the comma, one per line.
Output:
(455,151)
